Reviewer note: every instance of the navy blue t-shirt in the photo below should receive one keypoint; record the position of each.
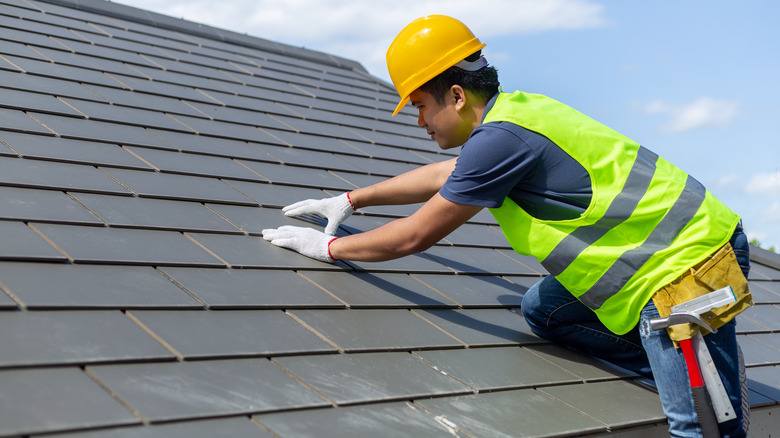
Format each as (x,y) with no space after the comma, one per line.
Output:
(503,159)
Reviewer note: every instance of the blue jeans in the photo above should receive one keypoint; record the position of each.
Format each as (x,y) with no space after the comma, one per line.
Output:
(554,314)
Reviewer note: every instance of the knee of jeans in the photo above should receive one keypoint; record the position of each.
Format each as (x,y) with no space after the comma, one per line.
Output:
(529,308)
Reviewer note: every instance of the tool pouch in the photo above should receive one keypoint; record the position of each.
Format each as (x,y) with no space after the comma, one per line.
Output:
(718,271)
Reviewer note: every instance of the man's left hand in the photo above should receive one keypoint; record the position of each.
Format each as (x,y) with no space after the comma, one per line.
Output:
(307,241)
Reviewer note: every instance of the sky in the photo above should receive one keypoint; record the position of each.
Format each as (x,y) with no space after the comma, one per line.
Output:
(697,82)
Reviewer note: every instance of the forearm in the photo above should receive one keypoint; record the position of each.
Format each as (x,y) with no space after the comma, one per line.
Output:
(401,237)
(412,187)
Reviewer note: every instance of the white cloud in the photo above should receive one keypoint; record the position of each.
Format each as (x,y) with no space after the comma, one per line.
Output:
(765,184)
(703,112)
(362,30)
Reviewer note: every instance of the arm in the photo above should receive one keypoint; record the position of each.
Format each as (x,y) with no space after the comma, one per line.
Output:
(418,232)
(417,185)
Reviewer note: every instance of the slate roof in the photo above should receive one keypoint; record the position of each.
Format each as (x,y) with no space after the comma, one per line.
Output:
(141,156)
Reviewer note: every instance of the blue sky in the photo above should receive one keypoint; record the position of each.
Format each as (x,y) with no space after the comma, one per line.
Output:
(695,81)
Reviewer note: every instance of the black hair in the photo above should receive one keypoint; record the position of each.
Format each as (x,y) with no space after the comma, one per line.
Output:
(483,83)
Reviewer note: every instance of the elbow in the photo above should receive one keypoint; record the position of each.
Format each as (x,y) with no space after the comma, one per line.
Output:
(416,243)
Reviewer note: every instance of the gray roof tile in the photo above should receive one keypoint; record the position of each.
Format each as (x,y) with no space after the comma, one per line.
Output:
(77,337)
(300,157)
(43,67)
(359,378)
(300,176)
(16,120)
(275,195)
(475,290)
(363,289)
(415,263)
(202,389)
(377,421)
(212,428)
(153,87)
(763,293)
(765,315)
(124,246)
(46,400)
(40,84)
(71,151)
(43,206)
(41,174)
(231,333)
(22,243)
(154,213)
(94,130)
(63,286)
(765,381)
(505,413)
(489,369)
(310,141)
(182,187)
(477,261)
(125,115)
(586,368)
(225,129)
(482,327)
(375,330)
(194,164)
(757,352)
(620,402)
(191,142)
(36,102)
(250,288)
(139,100)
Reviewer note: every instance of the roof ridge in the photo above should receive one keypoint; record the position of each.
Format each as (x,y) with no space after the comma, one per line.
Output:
(130,13)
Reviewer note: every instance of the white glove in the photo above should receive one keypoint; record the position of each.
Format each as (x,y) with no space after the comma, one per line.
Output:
(307,241)
(335,210)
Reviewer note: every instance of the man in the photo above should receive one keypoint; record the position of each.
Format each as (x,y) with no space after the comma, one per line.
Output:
(624,233)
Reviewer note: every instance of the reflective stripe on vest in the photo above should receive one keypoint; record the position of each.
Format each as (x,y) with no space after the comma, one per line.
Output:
(647,223)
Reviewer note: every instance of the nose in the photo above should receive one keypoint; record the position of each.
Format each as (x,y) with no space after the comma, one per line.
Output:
(420,120)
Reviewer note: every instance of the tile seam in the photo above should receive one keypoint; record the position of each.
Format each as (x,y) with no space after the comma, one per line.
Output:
(154,335)
(346,304)
(86,208)
(114,395)
(49,241)
(315,331)
(213,254)
(441,329)
(303,382)
(13,297)
(42,124)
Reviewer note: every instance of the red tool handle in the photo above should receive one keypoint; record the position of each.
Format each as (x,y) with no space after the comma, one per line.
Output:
(701,400)
(694,373)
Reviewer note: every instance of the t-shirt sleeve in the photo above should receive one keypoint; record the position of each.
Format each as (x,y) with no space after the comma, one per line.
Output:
(490,164)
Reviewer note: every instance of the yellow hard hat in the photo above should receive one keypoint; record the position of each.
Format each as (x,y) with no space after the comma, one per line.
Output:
(426,47)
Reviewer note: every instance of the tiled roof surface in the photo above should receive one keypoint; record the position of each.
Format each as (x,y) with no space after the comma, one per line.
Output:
(141,156)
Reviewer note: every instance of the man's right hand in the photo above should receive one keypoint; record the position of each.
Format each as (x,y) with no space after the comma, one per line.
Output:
(335,210)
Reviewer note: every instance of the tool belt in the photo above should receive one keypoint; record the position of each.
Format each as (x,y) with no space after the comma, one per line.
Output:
(719,270)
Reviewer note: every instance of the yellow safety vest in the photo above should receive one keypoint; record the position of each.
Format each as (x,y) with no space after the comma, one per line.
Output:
(647,223)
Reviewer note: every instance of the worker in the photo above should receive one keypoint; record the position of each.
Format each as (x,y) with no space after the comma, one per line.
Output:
(624,234)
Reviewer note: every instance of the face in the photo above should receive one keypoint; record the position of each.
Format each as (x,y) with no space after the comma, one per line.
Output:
(443,121)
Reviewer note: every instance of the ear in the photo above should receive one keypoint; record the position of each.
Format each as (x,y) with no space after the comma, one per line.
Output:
(458,94)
